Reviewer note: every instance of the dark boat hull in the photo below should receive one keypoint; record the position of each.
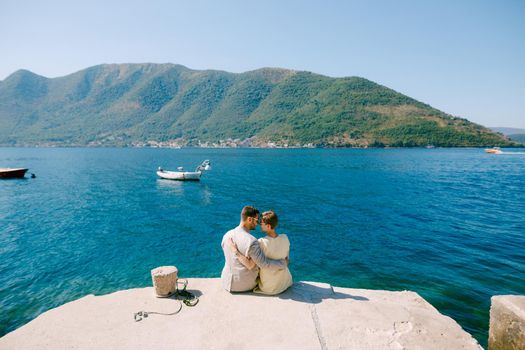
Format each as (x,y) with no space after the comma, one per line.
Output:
(12,173)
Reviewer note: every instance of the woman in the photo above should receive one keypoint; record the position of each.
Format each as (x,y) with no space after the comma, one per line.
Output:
(274,246)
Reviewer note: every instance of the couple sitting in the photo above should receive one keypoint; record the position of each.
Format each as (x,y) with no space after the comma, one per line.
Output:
(251,264)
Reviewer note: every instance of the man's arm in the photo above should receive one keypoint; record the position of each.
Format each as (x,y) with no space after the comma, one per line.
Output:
(247,262)
(257,255)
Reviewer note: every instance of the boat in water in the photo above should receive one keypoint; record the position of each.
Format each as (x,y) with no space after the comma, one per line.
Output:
(12,173)
(182,175)
(494,150)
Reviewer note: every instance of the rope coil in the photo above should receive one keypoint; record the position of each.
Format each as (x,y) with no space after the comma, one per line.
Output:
(183,295)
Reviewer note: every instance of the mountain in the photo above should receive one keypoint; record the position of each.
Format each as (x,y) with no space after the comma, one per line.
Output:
(514,134)
(507,131)
(518,138)
(129,104)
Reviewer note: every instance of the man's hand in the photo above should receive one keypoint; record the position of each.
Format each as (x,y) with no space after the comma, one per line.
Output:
(232,245)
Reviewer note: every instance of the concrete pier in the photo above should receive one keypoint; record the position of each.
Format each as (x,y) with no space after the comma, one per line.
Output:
(307,316)
(507,322)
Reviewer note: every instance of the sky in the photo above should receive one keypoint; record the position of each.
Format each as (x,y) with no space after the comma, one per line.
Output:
(466,58)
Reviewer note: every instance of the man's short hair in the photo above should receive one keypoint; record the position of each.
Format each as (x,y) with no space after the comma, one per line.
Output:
(270,218)
(249,212)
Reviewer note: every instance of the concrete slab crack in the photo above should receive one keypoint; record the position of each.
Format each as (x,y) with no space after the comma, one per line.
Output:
(317,324)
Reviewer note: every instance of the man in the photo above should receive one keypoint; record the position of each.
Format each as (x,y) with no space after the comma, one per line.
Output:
(235,276)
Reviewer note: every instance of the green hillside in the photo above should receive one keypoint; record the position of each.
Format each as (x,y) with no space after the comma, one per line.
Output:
(518,138)
(127,104)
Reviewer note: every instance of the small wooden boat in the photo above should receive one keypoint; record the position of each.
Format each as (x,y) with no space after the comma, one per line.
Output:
(182,175)
(12,173)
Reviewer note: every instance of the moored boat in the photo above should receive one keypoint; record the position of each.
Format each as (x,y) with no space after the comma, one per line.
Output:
(12,173)
(182,175)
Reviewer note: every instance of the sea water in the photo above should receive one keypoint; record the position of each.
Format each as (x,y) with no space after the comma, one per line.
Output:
(448,224)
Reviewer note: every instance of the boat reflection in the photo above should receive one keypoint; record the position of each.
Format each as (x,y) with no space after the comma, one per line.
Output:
(206,195)
(175,187)
(196,191)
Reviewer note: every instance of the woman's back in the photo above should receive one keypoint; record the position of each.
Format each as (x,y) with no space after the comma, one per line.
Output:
(274,281)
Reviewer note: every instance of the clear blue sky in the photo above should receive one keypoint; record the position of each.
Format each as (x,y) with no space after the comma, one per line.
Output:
(464,57)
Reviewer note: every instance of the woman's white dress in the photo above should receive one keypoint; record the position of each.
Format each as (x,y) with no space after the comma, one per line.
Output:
(274,281)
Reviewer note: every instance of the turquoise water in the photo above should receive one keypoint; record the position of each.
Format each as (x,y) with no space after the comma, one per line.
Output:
(446,223)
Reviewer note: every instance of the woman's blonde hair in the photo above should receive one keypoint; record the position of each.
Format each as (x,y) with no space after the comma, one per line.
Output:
(270,218)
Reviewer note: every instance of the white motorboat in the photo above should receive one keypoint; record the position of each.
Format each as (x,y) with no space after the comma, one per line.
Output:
(182,175)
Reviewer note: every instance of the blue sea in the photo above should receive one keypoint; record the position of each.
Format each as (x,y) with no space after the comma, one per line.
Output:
(448,224)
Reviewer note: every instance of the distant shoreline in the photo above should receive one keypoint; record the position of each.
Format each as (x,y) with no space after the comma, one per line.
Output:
(255,147)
